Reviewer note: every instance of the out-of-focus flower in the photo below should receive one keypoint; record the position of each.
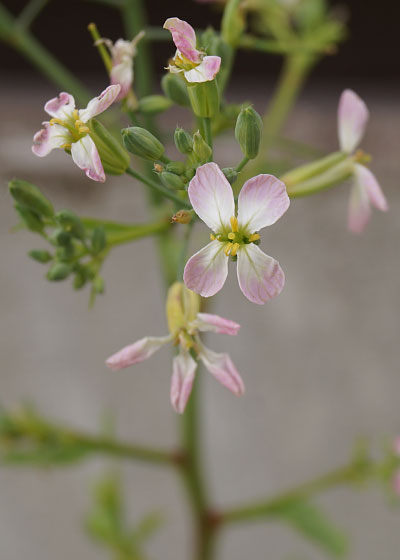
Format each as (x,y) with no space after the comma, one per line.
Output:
(185,323)
(352,119)
(195,65)
(67,129)
(262,201)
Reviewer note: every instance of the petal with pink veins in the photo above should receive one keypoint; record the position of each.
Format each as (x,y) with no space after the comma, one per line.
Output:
(223,369)
(205,71)
(368,181)
(136,352)
(260,276)
(183,372)
(49,138)
(206,271)
(211,197)
(61,107)
(85,155)
(99,104)
(262,201)
(208,322)
(184,38)
(352,119)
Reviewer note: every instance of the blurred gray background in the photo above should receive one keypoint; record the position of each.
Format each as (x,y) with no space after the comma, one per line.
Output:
(320,363)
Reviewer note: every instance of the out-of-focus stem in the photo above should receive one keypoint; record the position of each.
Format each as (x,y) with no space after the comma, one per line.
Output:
(30,12)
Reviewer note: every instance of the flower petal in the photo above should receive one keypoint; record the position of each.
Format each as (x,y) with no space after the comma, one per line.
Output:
(184,38)
(359,209)
(222,368)
(85,155)
(48,138)
(183,372)
(205,71)
(61,107)
(352,120)
(260,276)
(214,323)
(368,181)
(136,352)
(211,197)
(262,201)
(99,104)
(122,74)
(206,271)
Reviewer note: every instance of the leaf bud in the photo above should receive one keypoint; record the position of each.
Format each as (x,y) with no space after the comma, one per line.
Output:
(142,143)
(248,131)
(28,195)
(183,141)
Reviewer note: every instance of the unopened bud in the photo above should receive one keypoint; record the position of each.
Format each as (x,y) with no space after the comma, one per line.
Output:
(201,149)
(142,143)
(171,180)
(248,131)
(182,217)
(181,308)
(40,256)
(60,237)
(71,223)
(153,104)
(177,167)
(175,89)
(114,157)
(204,98)
(26,194)
(183,141)
(59,271)
(230,173)
(32,220)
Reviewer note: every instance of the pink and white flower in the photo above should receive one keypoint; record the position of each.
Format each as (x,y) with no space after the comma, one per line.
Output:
(262,201)
(366,191)
(186,337)
(67,129)
(195,65)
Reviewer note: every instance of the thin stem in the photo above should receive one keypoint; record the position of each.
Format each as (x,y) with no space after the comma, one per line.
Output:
(183,253)
(30,13)
(240,165)
(160,189)
(105,55)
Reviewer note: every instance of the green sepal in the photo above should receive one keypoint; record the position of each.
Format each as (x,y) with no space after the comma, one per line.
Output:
(114,157)
(201,149)
(174,87)
(177,167)
(204,98)
(183,141)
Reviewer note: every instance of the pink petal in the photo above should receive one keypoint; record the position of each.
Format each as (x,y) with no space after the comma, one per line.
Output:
(60,107)
(352,120)
(396,483)
(214,323)
(359,209)
(48,138)
(137,352)
(205,71)
(122,74)
(368,181)
(183,372)
(85,155)
(122,50)
(99,104)
(184,38)
(260,276)
(206,271)
(211,197)
(262,201)
(396,446)
(223,369)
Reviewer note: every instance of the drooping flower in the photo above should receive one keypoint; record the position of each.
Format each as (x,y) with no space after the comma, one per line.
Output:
(67,129)
(262,201)
(352,120)
(195,65)
(185,323)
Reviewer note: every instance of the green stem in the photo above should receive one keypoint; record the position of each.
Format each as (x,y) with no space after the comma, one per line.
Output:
(105,55)
(279,47)
(207,131)
(160,189)
(244,162)
(30,13)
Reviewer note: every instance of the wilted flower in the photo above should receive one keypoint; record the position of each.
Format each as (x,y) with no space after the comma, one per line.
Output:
(67,129)
(196,66)
(185,323)
(352,119)
(262,201)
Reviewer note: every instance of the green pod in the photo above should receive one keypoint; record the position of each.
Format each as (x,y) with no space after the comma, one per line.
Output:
(183,141)
(40,255)
(142,143)
(201,149)
(177,167)
(71,223)
(153,104)
(171,180)
(59,271)
(204,98)
(174,87)
(114,157)
(28,195)
(248,131)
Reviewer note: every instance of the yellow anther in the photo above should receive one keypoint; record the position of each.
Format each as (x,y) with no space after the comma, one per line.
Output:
(231,236)
(83,129)
(75,114)
(254,237)
(212,237)
(56,121)
(235,248)
(234,224)
(227,249)
(78,123)
(66,146)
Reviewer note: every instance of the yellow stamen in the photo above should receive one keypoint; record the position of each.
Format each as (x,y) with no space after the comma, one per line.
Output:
(254,237)
(66,146)
(234,224)
(231,236)
(75,114)
(227,249)
(56,121)
(83,129)
(212,237)
(235,248)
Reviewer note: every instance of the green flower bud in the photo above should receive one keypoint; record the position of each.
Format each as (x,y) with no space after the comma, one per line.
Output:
(71,223)
(183,141)
(171,180)
(231,174)
(60,237)
(79,280)
(40,255)
(177,167)
(26,194)
(59,271)
(153,104)
(201,149)
(99,240)
(175,89)
(204,98)
(32,220)
(142,143)
(248,131)
(114,157)
(98,285)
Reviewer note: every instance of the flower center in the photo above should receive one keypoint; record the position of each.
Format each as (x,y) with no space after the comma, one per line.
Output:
(180,61)
(235,238)
(74,125)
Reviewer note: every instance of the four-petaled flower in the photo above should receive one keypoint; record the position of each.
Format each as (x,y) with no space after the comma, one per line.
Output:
(195,66)
(352,119)
(68,129)
(262,201)
(185,327)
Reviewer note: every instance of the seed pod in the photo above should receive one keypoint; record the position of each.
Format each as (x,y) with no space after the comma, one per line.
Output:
(59,271)
(248,131)
(183,141)
(142,143)
(175,89)
(201,149)
(153,104)
(26,194)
